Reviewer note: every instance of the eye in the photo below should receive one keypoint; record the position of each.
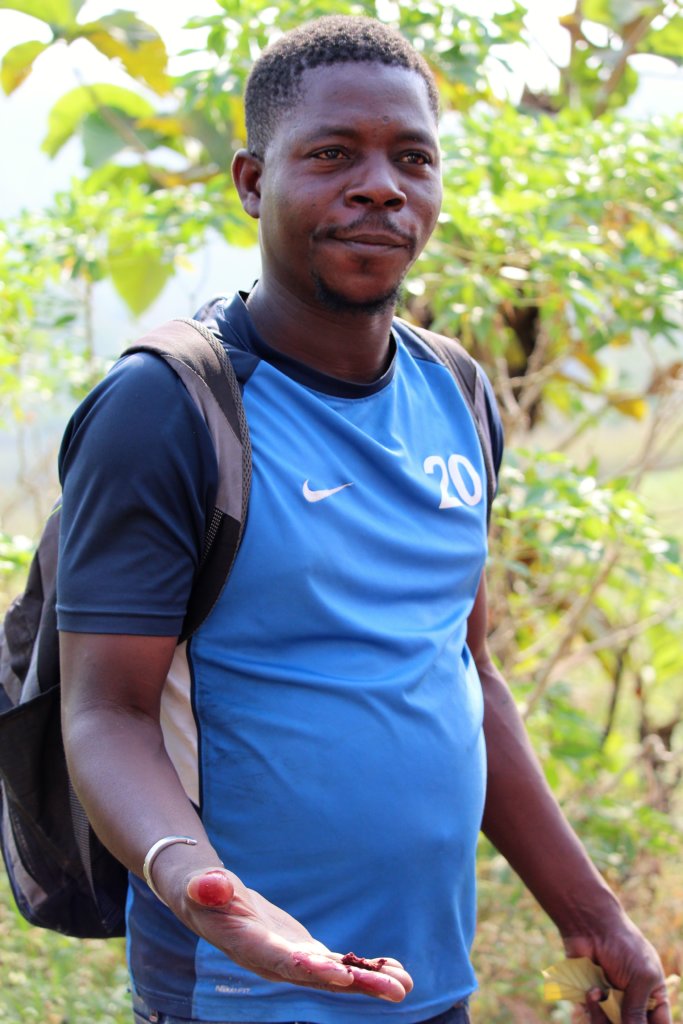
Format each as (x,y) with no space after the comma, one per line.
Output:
(416,157)
(329,153)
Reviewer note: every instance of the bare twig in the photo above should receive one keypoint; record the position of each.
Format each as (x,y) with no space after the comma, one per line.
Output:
(615,639)
(570,623)
(584,424)
(635,33)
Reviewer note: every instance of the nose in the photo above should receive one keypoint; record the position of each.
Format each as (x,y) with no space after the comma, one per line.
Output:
(376,185)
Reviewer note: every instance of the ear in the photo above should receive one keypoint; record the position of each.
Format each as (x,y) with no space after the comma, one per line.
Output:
(246,174)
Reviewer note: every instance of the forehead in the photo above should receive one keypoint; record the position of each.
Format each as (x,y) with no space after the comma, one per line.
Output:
(360,94)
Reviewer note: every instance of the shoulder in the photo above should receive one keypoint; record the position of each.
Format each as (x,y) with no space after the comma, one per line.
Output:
(138,471)
(140,406)
(470,375)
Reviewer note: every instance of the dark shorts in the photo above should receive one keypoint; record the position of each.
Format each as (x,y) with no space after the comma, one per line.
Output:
(142,1014)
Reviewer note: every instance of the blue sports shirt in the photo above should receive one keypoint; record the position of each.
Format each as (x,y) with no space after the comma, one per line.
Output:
(326,719)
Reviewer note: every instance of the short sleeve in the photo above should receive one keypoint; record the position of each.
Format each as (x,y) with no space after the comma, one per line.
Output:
(138,473)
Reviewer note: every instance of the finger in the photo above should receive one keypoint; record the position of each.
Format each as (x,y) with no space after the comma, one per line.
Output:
(381,984)
(393,968)
(661,1012)
(400,974)
(634,1009)
(211,888)
(382,965)
(592,1006)
(321,970)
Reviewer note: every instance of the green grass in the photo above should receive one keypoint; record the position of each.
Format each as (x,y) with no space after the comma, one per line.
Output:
(52,979)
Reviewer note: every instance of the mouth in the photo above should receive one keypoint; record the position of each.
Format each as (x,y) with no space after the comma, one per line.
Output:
(367,236)
(380,240)
(368,242)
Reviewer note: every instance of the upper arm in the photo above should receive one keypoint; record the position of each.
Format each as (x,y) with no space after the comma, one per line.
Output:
(477,625)
(124,673)
(494,686)
(139,473)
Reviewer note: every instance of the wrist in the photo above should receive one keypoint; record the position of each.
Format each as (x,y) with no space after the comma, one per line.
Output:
(155,849)
(172,860)
(590,913)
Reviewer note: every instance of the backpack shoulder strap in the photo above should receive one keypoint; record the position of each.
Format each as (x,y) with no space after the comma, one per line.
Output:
(468,376)
(203,365)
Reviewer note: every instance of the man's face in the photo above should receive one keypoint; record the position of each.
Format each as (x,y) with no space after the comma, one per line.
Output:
(351,186)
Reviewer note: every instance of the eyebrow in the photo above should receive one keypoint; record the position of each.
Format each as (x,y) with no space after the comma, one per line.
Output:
(344,131)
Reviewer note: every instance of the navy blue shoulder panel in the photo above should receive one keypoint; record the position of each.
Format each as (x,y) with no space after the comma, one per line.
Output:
(138,423)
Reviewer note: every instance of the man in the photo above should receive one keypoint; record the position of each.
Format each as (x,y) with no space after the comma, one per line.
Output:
(321,734)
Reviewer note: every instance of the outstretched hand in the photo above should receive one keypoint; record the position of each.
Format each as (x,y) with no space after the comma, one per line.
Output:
(631,965)
(266,940)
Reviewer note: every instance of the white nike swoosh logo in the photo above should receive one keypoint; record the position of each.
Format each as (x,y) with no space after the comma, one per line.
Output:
(310,495)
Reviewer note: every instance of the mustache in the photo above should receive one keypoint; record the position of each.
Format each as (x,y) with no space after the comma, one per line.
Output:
(371,224)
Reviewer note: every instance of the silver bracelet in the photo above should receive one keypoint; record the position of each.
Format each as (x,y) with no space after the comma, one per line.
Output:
(154,851)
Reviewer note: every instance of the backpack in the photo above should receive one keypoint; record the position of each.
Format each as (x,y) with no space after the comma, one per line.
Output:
(61,875)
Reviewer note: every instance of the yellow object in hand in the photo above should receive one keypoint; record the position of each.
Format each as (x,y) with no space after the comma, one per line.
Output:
(572,979)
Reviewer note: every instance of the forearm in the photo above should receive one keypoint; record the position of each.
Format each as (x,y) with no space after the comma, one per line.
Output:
(525,823)
(111,693)
(129,788)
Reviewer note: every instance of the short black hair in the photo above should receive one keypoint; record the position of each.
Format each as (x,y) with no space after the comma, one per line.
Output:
(274,84)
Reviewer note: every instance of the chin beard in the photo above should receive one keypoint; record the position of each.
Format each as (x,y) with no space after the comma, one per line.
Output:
(335,302)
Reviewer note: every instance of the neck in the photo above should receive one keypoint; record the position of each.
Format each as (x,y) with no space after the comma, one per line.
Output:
(350,345)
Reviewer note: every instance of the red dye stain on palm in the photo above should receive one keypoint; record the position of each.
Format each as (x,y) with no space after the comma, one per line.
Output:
(351,960)
(213,889)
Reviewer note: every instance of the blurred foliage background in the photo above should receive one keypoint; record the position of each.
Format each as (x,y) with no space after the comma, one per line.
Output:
(558,262)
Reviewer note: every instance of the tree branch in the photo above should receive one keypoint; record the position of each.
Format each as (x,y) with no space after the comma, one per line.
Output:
(571,622)
(616,638)
(635,33)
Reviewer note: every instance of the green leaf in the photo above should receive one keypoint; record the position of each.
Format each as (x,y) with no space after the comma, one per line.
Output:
(617,13)
(138,271)
(73,107)
(18,62)
(598,10)
(100,141)
(626,11)
(56,13)
(137,45)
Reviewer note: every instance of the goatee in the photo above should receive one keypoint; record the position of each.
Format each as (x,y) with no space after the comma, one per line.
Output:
(336,302)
